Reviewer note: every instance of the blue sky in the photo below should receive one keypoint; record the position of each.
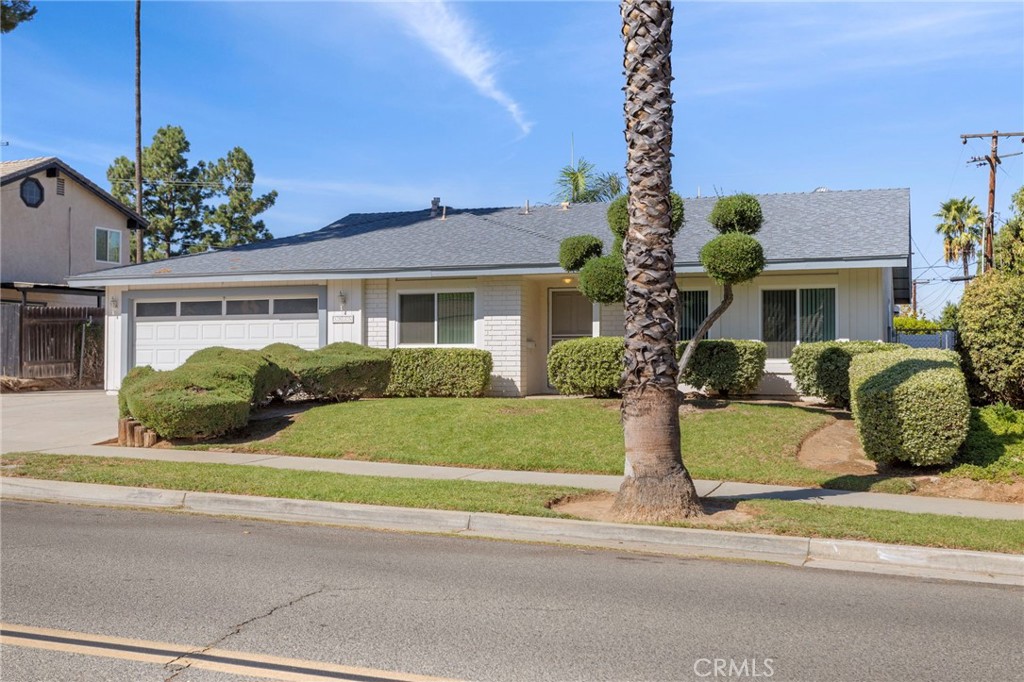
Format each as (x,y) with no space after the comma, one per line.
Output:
(350,107)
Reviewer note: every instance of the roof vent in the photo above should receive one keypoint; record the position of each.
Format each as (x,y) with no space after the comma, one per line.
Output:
(435,206)
(821,189)
(526,208)
(565,205)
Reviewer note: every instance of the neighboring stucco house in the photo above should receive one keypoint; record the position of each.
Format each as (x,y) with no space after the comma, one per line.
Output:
(54,223)
(837,262)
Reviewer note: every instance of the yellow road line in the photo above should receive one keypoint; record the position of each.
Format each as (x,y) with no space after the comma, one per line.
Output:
(220,660)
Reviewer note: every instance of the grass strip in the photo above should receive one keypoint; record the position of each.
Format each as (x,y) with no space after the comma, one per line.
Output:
(770,516)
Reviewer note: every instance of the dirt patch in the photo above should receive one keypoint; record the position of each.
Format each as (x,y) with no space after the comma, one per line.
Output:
(990,491)
(835,448)
(17,385)
(598,506)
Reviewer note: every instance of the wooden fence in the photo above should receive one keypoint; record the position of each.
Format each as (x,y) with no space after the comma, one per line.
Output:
(50,340)
(10,340)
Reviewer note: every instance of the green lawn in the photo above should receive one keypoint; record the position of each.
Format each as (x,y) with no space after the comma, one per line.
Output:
(740,441)
(995,446)
(771,516)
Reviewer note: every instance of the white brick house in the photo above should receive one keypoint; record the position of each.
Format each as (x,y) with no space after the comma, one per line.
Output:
(489,278)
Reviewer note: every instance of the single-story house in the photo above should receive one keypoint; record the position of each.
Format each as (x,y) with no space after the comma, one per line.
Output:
(836,264)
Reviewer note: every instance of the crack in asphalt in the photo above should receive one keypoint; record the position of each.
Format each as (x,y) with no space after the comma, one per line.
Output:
(236,629)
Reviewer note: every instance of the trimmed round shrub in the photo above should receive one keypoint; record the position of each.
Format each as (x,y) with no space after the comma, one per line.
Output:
(603,280)
(338,372)
(992,335)
(910,405)
(439,372)
(737,213)
(618,215)
(201,401)
(822,369)
(249,369)
(132,380)
(729,366)
(590,366)
(574,252)
(732,258)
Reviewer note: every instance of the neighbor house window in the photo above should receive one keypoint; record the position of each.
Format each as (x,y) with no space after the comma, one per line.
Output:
(792,316)
(429,319)
(693,308)
(108,245)
(31,192)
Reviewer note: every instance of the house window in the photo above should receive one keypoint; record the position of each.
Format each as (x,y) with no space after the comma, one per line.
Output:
(31,192)
(435,319)
(693,309)
(792,316)
(108,245)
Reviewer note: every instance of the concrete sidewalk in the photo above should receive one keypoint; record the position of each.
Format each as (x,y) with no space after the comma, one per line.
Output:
(710,489)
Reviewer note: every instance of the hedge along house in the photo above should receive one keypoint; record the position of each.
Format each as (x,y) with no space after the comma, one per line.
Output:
(836,263)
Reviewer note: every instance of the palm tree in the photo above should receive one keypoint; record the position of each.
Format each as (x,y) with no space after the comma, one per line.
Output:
(574,182)
(961,229)
(656,486)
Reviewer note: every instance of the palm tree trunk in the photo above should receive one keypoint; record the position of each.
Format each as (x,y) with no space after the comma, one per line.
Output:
(657,486)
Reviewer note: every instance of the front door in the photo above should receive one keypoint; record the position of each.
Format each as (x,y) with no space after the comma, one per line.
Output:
(571,316)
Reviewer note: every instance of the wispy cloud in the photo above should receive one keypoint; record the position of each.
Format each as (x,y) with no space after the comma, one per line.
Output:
(392,193)
(452,38)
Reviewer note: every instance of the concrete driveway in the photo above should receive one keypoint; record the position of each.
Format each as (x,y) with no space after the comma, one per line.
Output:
(46,420)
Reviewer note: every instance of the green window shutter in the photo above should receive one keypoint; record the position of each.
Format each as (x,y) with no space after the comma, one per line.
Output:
(693,309)
(455,318)
(817,315)
(778,322)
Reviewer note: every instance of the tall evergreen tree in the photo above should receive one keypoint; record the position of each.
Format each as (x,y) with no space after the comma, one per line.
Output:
(14,12)
(233,222)
(174,193)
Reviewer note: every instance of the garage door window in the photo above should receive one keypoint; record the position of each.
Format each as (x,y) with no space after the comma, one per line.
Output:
(201,308)
(259,306)
(161,309)
(295,306)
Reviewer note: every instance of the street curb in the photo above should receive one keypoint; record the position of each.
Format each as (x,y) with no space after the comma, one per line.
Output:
(948,564)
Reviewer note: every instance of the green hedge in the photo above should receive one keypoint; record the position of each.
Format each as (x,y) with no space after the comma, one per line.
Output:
(251,370)
(910,405)
(439,372)
(131,382)
(725,365)
(338,372)
(589,366)
(823,369)
(992,335)
(913,325)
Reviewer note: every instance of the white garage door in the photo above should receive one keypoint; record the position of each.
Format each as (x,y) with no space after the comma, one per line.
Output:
(168,331)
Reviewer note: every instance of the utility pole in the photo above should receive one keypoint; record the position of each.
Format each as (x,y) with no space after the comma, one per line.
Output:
(913,294)
(138,128)
(992,160)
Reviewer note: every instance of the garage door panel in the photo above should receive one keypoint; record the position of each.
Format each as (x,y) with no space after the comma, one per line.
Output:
(167,343)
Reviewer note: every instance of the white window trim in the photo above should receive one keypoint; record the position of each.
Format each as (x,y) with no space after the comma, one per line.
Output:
(120,244)
(797,288)
(396,322)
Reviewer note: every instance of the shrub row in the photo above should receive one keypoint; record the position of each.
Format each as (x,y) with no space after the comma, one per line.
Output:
(823,369)
(593,366)
(910,405)
(213,392)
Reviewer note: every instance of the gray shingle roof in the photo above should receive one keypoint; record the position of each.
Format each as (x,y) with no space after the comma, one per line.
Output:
(813,226)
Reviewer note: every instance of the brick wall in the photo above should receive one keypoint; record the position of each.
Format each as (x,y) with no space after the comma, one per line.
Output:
(501,308)
(375,301)
(613,319)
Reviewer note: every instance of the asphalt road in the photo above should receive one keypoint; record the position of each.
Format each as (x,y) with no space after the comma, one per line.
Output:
(473,609)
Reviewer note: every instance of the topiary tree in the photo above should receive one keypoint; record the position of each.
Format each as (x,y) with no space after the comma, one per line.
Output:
(733,257)
(603,278)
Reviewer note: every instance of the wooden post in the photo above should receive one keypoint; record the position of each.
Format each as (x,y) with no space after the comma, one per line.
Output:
(122,431)
(138,432)
(149,439)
